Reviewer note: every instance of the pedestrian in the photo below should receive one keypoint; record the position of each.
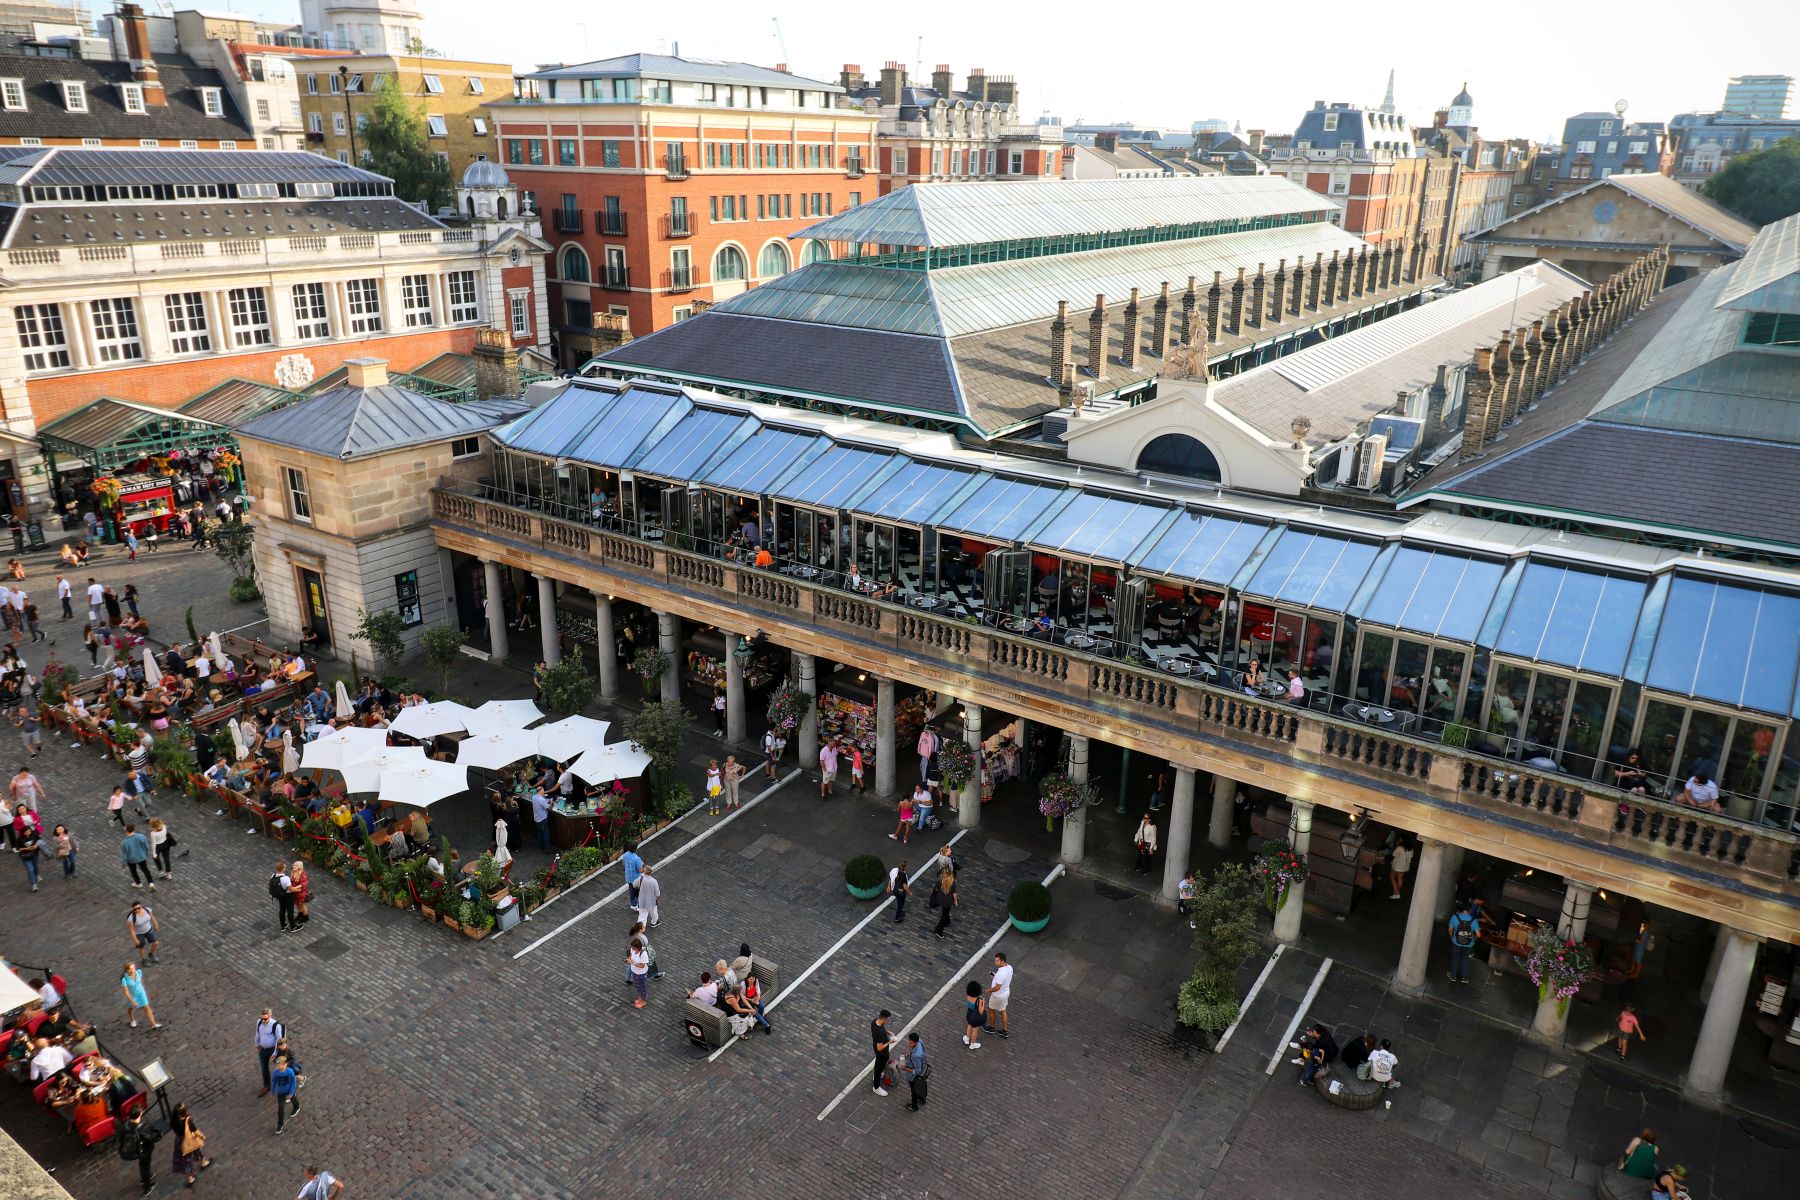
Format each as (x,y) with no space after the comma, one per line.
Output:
(65,845)
(540,817)
(132,984)
(283,1049)
(715,786)
(302,892)
(142,925)
(137,1140)
(32,621)
(718,711)
(649,892)
(96,599)
(943,897)
(281,887)
(634,870)
(922,806)
(284,1081)
(638,930)
(856,768)
(1463,930)
(928,744)
(131,599)
(1382,1062)
(92,640)
(161,843)
(1159,783)
(1398,865)
(772,747)
(1626,1025)
(1642,945)
(884,1045)
(115,804)
(828,768)
(31,734)
(903,831)
(899,889)
(1184,898)
(320,1186)
(190,1144)
(1145,841)
(637,961)
(999,993)
(131,545)
(27,845)
(974,1015)
(134,852)
(269,1033)
(66,593)
(1639,1159)
(734,775)
(918,1070)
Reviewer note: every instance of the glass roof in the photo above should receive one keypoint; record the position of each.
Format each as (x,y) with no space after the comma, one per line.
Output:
(1103,527)
(635,417)
(550,428)
(753,467)
(916,493)
(837,293)
(694,442)
(1442,595)
(1579,619)
(1313,570)
(1002,509)
(832,478)
(1202,547)
(1736,645)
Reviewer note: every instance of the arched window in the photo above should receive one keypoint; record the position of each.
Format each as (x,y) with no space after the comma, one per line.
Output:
(1180,455)
(729,265)
(816,251)
(574,264)
(773,261)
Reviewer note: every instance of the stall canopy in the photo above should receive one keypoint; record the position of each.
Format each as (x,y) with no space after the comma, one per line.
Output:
(1729,643)
(1572,618)
(1312,570)
(1104,528)
(1203,547)
(449,376)
(15,992)
(110,434)
(1001,510)
(1439,595)
(238,400)
(831,479)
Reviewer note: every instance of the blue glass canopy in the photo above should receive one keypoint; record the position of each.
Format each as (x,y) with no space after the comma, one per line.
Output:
(1312,570)
(753,467)
(1202,547)
(1574,618)
(550,428)
(1103,527)
(1730,643)
(1001,510)
(916,493)
(701,435)
(831,479)
(1440,595)
(628,425)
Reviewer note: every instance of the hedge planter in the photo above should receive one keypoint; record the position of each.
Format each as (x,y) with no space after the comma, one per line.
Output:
(865,877)
(1028,907)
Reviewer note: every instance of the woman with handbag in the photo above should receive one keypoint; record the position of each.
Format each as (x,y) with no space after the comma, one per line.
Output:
(302,891)
(161,842)
(190,1145)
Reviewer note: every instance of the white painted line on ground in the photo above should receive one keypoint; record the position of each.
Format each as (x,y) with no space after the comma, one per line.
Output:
(858,928)
(1256,987)
(1281,1047)
(601,903)
(861,1078)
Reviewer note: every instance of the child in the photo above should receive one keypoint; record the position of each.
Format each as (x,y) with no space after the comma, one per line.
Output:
(856,768)
(715,786)
(1627,1025)
(1184,892)
(718,707)
(903,831)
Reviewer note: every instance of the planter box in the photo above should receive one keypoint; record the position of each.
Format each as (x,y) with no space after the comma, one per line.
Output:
(430,914)
(870,893)
(402,902)
(452,923)
(1028,926)
(471,932)
(362,885)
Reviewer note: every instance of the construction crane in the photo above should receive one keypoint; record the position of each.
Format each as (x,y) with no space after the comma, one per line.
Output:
(781,41)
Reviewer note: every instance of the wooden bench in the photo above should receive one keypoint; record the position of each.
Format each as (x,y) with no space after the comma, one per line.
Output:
(1357,1095)
(709,1026)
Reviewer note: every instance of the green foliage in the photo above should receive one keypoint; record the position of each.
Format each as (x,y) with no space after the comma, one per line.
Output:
(649,664)
(394,144)
(1197,1007)
(1224,912)
(675,800)
(193,635)
(233,541)
(530,896)
(243,589)
(384,631)
(865,871)
(566,688)
(659,730)
(441,645)
(487,874)
(1762,186)
(171,759)
(576,863)
(58,679)
(1029,901)
(1456,734)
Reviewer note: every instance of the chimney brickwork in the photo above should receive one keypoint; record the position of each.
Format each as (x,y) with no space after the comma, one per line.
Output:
(1097,339)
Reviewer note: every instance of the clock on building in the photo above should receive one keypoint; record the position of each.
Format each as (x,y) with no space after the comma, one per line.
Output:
(1605,211)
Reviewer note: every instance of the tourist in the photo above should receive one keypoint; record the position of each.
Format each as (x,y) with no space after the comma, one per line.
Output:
(649,891)
(637,962)
(974,1015)
(1702,791)
(302,892)
(1642,945)
(923,803)
(741,968)
(1355,1056)
(1463,929)
(1296,687)
(96,599)
(1382,1062)
(899,889)
(707,993)
(540,817)
(828,767)
(269,1033)
(1626,1025)
(161,842)
(718,711)
(134,852)
(48,1059)
(884,1045)
(31,735)
(66,593)
(903,831)
(132,984)
(92,640)
(742,1014)
(137,1140)
(1670,1184)
(764,560)
(281,887)
(1184,898)
(27,845)
(190,1144)
(856,767)
(928,745)
(999,995)
(1253,677)
(142,925)
(1159,782)
(284,1081)
(1399,864)
(1631,777)
(634,870)
(1639,1159)
(918,1070)
(734,775)
(1145,841)
(65,846)
(715,787)
(772,748)
(943,897)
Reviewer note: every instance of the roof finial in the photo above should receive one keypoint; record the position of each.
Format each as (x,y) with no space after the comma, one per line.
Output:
(1387,103)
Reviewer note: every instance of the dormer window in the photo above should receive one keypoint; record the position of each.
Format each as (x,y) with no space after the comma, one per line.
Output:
(211,102)
(477,87)
(1331,120)
(12,95)
(74,96)
(131,95)
(434,85)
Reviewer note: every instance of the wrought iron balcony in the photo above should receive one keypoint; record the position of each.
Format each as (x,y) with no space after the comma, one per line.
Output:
(677,281)
(615,279)
(676,168)
(609,224)
(567,220)
(678,225)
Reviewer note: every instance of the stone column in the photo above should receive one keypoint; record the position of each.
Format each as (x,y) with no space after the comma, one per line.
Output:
(1446,889)
(737,724)
(809,719)
(1074,830)
(1181,832)
(968,806)
(887,766)
(606,648)
(1552,1018)
(496,609)
(668,629)
(547,619)
(1287,917)
(1721,935)
(1718,1029)
(1224,795)
(1421,915)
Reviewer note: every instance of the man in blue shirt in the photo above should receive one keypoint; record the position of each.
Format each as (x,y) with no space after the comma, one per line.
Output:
(917,1070)
(318,703)
(540,813)
(1464,929)
(134,852)
(284,1081)
(367,817)
(634,870)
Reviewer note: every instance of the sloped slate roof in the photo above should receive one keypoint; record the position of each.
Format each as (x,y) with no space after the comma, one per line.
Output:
(183,117)
(687,70)
(351,422)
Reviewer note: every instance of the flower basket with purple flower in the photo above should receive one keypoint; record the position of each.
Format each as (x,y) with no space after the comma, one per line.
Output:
(787,707)
(956,763)
(1558,966)
(1278,867)
(1059,795)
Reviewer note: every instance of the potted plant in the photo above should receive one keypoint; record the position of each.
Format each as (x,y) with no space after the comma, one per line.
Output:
(1028,907)
(787,708)
(531,897)
(477,919)
(649,664)
(431,898)
(1278,867)
(545,878)
(453,910)
(576,865)
(1223,912)
(489,879)
(866,877)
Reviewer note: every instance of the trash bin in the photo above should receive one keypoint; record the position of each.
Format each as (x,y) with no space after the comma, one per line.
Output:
(506,913)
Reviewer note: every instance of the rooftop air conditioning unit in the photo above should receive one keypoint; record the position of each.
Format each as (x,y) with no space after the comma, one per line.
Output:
(1368,461)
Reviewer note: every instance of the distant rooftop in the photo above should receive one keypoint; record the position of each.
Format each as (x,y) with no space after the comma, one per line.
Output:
(371,417)
(684,70)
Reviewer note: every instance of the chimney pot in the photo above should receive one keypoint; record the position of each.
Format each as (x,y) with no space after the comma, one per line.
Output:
(366,372)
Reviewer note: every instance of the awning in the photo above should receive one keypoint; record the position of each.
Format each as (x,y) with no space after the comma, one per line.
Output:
(109,434)
(236,401)
(1573,618)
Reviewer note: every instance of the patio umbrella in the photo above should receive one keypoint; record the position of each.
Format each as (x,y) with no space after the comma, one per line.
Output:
(364,774)
(429,720)
(237,738)
(332,750)
(290,762)
(495,750)
(152,673)
(424,783)
(571,736)
(504,714)
(621,760)
(218,650)
(345,709)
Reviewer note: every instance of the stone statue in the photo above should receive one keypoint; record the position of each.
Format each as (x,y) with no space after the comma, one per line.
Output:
(1188,361)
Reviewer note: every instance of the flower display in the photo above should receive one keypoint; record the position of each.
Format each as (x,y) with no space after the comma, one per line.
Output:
(956,762)
(1558,966)
(107,491)
(1278,867)
(787,707)
(1059,795)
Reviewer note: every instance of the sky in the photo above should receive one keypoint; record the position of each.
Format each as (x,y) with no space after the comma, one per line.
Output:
(1527,66)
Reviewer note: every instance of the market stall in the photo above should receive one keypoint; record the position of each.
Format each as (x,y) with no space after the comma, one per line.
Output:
(91,449)
(843,717)
(1002,757)
(1530,899)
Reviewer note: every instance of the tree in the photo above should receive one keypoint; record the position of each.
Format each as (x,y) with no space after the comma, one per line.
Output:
(232,541)
(1762,186)
(384,631)
(395,145)
(659,730)
(566,688)
(441,644)
(1223,912)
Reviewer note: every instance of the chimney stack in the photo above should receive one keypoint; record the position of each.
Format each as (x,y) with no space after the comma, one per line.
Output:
(1254,140)
(1062,370)
(1190,302)
(1159,323)
(1237,302)
(1134,333)
(1096,364)
(1278,299)
(1477,396)
(851,77)
(978,87)
(137,52)
(362,372)
(1258,296)
(1435,399)
(1109,142)
(893,80)
(1215,296)
(942,81)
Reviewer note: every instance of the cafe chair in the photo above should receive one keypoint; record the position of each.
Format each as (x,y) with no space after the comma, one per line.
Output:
(105,1129)
(133,1104)
(42,1090)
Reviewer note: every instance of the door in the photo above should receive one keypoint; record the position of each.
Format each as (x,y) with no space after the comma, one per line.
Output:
(312,606)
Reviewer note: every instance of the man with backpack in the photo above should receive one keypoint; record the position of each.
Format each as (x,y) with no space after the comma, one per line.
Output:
(281,887)
(1464,929)
(269,1033)
(137,1140)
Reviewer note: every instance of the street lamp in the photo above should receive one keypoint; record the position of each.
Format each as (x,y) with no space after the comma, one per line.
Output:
(349,117)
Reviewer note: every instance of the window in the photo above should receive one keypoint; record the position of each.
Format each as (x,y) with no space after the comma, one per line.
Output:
(1612,147)
(515,150)
(565,152)
(312,85)
(990,161)
(1640,147)
(363,299)
(956,160)
(186,143)
(435,126)
(463,306)
(773,261)
(681,314)
(1017,166)
(249,312)
(228,144)
(434,85)
(149,143)
(299,503)
(519,304)
(406,596)
(1585,147)
(415,300)
(343,156)
(609,154)
(1772,329)
(477,87)
(469,447)
(315,123)
(131,96)
(263,112)
(74,95)
(185,313)
(312,320)
(362,122)
(681,262)
(338,125)
(41,336)
(116,330)
(1331,120)
(729,265)
(1605,128)
(480,125)
(12,95)
(574,264)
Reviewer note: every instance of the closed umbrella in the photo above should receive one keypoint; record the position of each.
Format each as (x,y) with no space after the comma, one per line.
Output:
(495,750)
(504,714)
(332,750)
(237,738)
(345,709)
(290,762)
(621,760)
(152,673)
(571,736)
(364,774)
(432,720)
(423,784)
(218,650)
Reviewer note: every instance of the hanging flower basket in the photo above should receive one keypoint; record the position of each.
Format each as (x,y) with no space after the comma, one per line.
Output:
(107,491)
(1278,867)
(787,707)
(1558,966)
(956,762)
(1059,795)
(648,665)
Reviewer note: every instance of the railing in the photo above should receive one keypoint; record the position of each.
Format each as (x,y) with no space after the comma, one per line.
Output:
(676,169)
(1295,743)
(676,282)
(610,224)
(854,168)
(615,279)
(567,220)
(678,225)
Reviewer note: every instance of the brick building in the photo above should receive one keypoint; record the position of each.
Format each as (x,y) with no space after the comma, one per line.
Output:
(1485,172)
(1597,145)
(666,181)
(337,93)
(943,134)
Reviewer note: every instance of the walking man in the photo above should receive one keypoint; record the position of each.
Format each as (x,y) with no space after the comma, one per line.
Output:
(828,767)
(1463,929)
(269,1033)
(918,1071)
(281,887)
(285,1082)
(134,852)
(320,1186)
(883,1045)
(899,889)
(649,891)
(634,870)
(66,594)
(998,993)
(540,816)
(137,1139)
(96,598)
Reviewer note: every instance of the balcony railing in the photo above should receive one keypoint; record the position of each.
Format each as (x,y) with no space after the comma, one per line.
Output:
(1493,804)
(615,279)
(566,220)
(609,224)
(854,168)
(676,282)
(678,225)
(676,168)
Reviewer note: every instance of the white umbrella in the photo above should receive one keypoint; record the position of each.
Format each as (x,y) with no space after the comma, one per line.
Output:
(429,720)
(218,649)
(364,774)
(237,738)
(504,714)
(290,762)
(571,736)
(495,750)
(424,783)
(152,673)
(345,709)
(621,760)
(332,750)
